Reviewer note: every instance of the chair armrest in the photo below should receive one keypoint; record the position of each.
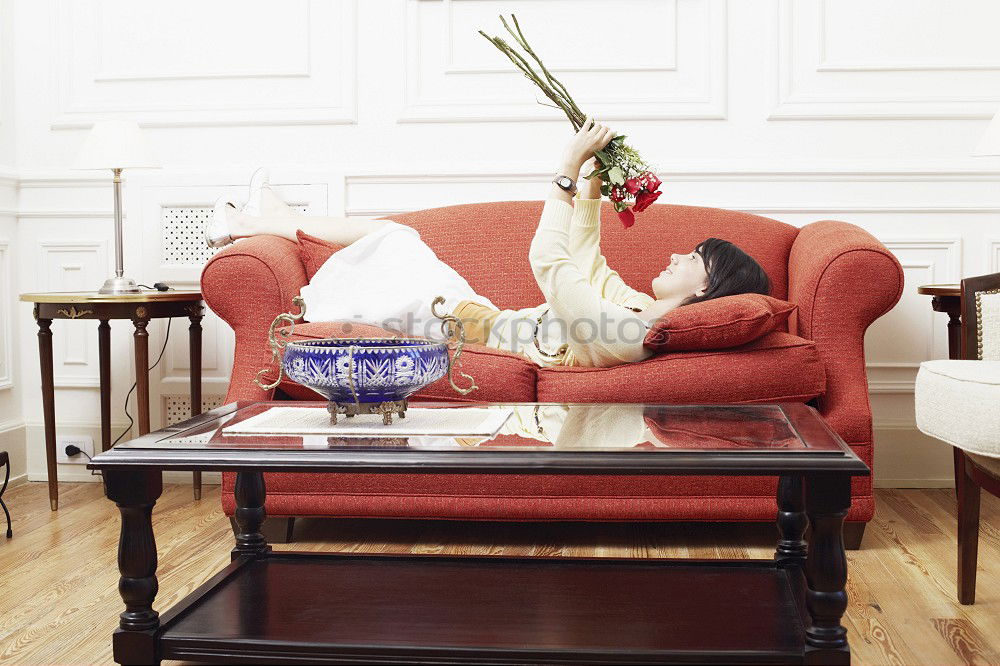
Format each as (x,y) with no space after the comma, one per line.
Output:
(247,285)
(843,279)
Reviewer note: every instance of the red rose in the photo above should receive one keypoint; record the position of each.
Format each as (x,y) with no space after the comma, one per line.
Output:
(650,180)
(644,199)
(617,193)
(633,185)
(627,218)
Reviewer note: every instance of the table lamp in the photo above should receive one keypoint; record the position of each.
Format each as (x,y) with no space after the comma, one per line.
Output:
(990,143)
(116,145)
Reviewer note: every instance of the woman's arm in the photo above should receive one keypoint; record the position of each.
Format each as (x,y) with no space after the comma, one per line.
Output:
(585,246)
(589,137)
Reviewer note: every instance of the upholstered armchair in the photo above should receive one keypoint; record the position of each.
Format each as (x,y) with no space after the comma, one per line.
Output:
(956,402)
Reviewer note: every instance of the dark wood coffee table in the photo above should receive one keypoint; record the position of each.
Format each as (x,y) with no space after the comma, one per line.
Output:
(308,608)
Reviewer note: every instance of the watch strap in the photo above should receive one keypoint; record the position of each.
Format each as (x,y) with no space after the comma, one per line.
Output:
(571,189)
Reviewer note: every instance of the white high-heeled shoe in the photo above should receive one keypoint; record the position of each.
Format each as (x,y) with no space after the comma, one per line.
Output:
(217,227)
(260,179)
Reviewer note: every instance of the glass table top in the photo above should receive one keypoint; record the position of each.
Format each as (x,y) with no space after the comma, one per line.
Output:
(547,427)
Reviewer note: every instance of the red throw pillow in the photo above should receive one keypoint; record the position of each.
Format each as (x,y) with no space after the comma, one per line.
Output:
(314,251)
(719,323)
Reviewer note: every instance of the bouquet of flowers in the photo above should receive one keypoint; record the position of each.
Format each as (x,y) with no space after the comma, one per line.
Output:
(626,179)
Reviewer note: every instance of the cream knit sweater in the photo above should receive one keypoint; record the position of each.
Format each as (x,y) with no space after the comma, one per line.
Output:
(587,303)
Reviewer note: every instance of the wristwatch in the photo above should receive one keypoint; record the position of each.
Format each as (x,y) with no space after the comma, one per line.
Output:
(565,182)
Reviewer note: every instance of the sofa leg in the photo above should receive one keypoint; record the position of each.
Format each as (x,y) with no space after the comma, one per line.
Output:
(853,534)
(967,495)
(275,529)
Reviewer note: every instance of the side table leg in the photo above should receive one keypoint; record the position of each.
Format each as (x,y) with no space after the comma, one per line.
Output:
(135,493)
(954,335)
(249,516)
(48,408)
(104,356)
(141,337)
(828,498)
(194,347)
(792,521)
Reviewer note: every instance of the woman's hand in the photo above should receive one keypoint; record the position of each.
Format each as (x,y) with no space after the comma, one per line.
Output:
(590,137)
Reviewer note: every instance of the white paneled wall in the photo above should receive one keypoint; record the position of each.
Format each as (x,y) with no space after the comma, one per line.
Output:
(801,110)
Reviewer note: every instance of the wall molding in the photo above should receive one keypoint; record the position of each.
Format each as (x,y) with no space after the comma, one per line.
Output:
(706,100)
(6,315)
(858,104)
(327,96)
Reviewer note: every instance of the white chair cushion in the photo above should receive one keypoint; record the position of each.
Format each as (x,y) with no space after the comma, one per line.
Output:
(959,402)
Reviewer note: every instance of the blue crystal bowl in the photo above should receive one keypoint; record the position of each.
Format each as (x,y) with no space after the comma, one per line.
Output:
(380,369)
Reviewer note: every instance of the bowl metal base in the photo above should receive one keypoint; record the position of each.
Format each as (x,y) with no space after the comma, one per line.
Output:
(349,409)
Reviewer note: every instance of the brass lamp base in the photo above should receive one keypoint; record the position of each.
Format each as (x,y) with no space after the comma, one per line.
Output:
(119,285)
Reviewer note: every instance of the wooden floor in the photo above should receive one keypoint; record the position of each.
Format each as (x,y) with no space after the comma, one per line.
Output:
(58,576)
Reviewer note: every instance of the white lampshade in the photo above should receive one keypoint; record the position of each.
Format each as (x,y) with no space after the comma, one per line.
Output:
(116,144)
(990,143)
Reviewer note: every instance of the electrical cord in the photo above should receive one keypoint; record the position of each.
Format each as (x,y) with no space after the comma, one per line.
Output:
(131,421)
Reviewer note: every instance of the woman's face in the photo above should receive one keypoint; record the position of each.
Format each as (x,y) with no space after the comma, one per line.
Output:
(684,276)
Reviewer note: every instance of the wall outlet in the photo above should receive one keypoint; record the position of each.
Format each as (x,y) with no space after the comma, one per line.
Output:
(85,442)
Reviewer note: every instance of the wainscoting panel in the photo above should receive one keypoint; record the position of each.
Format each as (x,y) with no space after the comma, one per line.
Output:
(671,64)
(895,357)
(888,59)
(66,265)
(149,61)
(6,313)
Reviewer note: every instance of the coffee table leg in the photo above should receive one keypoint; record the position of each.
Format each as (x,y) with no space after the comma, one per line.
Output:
(135,493)
(792,521)
(249,516)
(828,498)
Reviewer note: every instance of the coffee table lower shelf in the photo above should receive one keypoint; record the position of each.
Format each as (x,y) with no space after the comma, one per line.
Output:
(305,608)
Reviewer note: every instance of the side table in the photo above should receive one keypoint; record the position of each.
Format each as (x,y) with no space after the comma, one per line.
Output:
(947,298)
(140,308)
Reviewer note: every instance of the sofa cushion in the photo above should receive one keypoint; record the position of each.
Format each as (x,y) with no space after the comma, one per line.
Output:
(777,367)
(314,251)
(501,377)
(720,323)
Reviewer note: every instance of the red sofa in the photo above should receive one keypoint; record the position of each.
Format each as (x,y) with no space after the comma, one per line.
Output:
(840,276)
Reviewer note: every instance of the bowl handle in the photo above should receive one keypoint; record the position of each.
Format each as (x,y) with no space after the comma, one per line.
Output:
(278,339)
(459,328)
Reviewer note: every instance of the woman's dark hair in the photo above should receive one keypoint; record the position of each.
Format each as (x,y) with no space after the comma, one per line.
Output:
(730,271)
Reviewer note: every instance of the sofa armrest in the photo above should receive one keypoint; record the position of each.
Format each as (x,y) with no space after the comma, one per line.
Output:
(843,279)
(247,284)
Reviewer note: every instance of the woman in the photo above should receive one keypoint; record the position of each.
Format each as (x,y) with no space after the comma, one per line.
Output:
(387,276)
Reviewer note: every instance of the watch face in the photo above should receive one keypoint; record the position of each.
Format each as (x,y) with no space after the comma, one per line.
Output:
(565,181)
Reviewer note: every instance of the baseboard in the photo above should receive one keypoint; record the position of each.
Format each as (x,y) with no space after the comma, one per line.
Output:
(17,481)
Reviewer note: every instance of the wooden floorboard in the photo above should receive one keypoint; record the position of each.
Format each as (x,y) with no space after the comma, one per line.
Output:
(59,599)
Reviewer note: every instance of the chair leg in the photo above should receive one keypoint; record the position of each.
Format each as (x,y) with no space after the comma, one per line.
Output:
(967,494)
